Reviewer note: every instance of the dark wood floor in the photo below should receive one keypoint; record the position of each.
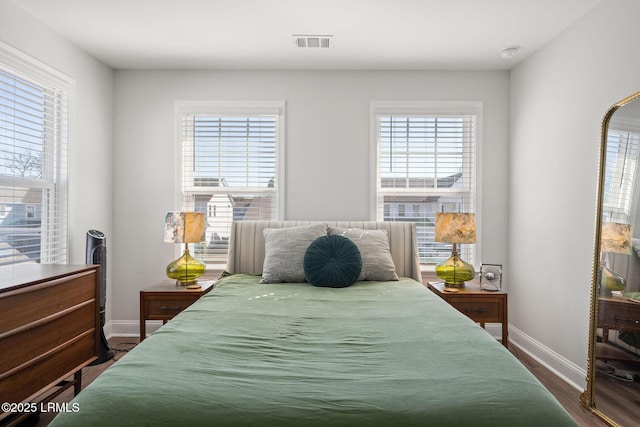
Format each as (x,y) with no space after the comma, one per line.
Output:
(619,399)
(566,395)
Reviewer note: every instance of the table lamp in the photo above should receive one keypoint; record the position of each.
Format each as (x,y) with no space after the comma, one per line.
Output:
(185,227)
(614,238)
(455,228)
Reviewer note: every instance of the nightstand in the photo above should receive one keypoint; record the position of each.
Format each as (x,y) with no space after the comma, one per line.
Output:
(165,300)
(481,306)
(617,313)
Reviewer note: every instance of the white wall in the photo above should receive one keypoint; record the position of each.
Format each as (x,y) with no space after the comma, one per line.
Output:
(327,152)
(558,99)
(92,122)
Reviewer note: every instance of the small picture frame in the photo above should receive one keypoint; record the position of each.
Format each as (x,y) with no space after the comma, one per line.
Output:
(491,277)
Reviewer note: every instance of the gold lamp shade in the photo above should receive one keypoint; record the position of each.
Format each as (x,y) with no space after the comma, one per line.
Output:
(185,227)
(455,228)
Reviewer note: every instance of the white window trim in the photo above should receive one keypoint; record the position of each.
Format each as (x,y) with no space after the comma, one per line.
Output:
(31,69)
(426,108)
(627,124)
(615,205)
(232,107)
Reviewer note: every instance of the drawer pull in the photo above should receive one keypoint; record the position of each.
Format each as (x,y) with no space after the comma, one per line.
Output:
(170,307)
(624,319)
(474,310)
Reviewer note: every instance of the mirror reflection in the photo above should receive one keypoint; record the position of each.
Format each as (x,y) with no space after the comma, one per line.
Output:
(614,380)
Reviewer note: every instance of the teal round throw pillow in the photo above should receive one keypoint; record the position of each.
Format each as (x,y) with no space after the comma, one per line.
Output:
(332,261)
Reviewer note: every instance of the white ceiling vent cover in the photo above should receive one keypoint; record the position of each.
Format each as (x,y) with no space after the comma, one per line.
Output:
(313,40)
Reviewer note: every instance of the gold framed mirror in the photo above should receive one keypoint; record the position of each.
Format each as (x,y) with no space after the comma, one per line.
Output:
(613,370)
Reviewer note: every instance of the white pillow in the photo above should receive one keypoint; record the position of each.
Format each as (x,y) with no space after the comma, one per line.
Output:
(377,263)
(284,250)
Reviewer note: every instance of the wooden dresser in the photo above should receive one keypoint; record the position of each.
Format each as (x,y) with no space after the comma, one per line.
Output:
(49,328)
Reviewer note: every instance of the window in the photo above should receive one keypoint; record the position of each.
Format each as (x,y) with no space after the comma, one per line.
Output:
(623,146)
(34,111)
(425,162)
(230,167)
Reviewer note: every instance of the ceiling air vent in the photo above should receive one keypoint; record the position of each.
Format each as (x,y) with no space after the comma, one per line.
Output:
(313,40)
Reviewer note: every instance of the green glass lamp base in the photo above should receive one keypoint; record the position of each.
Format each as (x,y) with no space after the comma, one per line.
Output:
(610,281)
(186,269)
(455,271)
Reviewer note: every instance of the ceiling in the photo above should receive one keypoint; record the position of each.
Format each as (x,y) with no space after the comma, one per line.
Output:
(258,34)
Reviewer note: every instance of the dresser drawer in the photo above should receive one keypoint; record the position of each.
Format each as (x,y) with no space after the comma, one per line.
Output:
(481,310)
(45,336)
(24,306)
(165,308)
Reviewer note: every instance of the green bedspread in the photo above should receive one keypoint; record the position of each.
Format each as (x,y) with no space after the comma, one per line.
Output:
(373,354)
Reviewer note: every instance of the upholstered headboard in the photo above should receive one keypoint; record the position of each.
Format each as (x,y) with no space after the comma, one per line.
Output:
(246,244)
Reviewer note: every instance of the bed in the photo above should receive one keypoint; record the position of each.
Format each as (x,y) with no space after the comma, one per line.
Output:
(375,353)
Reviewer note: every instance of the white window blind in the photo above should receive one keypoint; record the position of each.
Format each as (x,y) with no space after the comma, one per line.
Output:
(229,170)
(621,165)
(33,169)
(425,163)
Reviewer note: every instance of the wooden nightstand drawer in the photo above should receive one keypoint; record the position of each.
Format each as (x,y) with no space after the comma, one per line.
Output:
(481,310)
(618,313)
(166,308)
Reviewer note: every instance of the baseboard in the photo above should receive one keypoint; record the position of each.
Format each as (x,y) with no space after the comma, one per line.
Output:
(129,328)
(566,370)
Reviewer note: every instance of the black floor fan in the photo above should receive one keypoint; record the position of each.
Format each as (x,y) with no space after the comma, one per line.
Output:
(97,254)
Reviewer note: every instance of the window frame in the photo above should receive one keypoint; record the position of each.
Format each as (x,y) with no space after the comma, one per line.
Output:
(237,108)
(26,68)
(625,162)
(428,108)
